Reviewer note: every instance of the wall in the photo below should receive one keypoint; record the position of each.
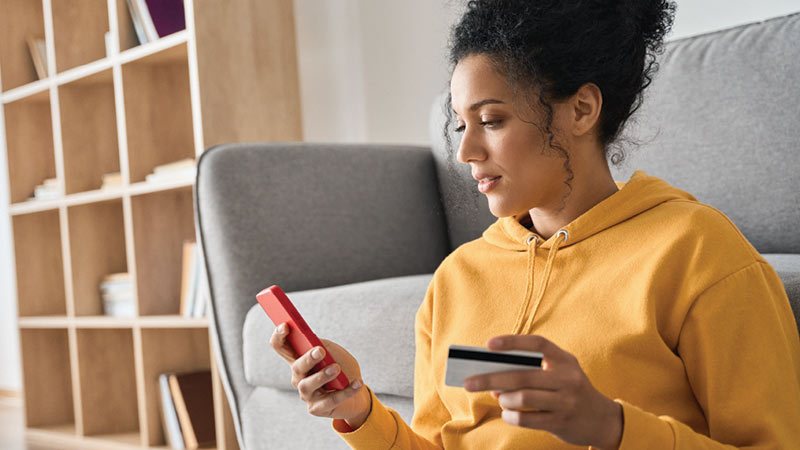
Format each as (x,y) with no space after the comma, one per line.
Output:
(369,70)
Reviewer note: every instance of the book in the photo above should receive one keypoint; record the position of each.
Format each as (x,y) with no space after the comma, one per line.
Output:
(177,170)
(117,293)
(38,50)
(162,17)
(136,18)
(201,290)
(111,180)
(146,20)
(187,281)
(174,166)
(194,405)
(169,417)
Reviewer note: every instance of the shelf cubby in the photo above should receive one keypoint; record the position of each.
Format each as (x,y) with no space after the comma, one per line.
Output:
(107,379)
(97,247)
(39,262)
(169,350)
(88,131)
(79,29)
(29,144)
(162,221)
(15,58)
(47,378)
(158,110)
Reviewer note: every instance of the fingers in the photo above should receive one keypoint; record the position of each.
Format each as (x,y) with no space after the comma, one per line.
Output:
(530,399)
(527,342)
(512,381)
(553,354)
(320,401)
(326,403)
(311,384)
(302,365)
(538,420)
(278,342)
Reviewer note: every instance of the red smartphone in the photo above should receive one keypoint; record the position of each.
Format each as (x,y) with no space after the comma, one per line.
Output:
(281,310)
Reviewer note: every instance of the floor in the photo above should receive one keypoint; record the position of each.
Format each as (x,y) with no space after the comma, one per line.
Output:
(12,426)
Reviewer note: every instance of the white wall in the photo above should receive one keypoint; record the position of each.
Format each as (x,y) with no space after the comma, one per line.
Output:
(700,16)
(369,70)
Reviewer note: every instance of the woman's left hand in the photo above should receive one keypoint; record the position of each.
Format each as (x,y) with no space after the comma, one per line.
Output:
(558,399)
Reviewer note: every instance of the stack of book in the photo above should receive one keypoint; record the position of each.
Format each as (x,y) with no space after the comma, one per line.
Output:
(117,292)
(153,19)
(48,190)
(187,409)
(183,169)
(112,180)
(194,285)
(38,51)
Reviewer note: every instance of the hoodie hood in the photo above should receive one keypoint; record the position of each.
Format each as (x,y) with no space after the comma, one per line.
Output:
(641,193)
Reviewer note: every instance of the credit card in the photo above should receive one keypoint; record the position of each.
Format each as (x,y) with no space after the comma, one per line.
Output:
(464,361)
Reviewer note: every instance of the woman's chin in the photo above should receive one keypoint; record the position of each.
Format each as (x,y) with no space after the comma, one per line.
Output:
(500,210)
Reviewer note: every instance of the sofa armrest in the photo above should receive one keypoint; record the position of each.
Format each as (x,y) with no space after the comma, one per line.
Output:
(307,216)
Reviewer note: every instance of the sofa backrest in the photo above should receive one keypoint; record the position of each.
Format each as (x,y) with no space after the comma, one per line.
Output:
(721,121)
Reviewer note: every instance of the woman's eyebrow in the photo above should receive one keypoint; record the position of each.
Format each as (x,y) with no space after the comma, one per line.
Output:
(487,101)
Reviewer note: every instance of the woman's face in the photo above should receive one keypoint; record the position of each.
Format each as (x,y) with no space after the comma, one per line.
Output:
(516,168)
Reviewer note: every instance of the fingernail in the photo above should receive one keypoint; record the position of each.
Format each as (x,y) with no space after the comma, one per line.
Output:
(317,353)
(496,342)
(330,371)
(282,328)
(356,384)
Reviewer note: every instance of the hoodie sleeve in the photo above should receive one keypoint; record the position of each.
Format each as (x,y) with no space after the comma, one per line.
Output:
(741,349)
(384,427)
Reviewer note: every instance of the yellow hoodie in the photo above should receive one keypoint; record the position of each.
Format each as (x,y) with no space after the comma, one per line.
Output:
(668,308)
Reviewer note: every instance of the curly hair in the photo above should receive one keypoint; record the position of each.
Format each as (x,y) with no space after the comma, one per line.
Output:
(548,49)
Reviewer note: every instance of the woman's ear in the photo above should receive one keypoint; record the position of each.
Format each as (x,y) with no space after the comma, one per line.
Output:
(586,104)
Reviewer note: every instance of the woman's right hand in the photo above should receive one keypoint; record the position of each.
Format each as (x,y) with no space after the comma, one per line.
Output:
(352,403)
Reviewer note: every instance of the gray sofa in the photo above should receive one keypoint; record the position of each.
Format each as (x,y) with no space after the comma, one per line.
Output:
(354,232)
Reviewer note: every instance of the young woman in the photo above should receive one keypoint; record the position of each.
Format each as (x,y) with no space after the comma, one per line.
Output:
(661,326)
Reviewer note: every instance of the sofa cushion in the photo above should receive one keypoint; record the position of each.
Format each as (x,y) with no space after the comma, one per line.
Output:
(788,268)
(373,320)
(277,419)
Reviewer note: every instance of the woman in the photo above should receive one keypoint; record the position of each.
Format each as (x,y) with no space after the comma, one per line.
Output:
(653,312)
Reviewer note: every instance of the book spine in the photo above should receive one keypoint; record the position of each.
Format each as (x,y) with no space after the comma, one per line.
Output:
(172,427)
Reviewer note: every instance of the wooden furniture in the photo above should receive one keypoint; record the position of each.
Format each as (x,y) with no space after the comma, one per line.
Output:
(231,75)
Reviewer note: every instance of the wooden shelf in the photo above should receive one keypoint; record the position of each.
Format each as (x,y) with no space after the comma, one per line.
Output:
(38,250)
(107,381)
(47,378)
(112,322)
(91,381)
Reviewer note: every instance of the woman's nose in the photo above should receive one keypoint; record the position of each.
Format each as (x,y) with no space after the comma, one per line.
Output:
(470,148)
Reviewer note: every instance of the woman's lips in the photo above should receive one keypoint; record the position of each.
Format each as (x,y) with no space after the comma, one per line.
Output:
(486,185)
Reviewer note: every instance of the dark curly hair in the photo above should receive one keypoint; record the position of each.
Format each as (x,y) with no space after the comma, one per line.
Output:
(549,48)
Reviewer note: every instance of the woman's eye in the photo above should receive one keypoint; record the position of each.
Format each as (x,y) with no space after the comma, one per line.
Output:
(484,123)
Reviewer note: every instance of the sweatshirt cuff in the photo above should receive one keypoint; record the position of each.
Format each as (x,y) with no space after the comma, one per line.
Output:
(642,429)
(380,426)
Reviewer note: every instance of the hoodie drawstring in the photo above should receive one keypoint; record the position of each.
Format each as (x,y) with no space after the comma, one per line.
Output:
(547,269)
(529,284)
